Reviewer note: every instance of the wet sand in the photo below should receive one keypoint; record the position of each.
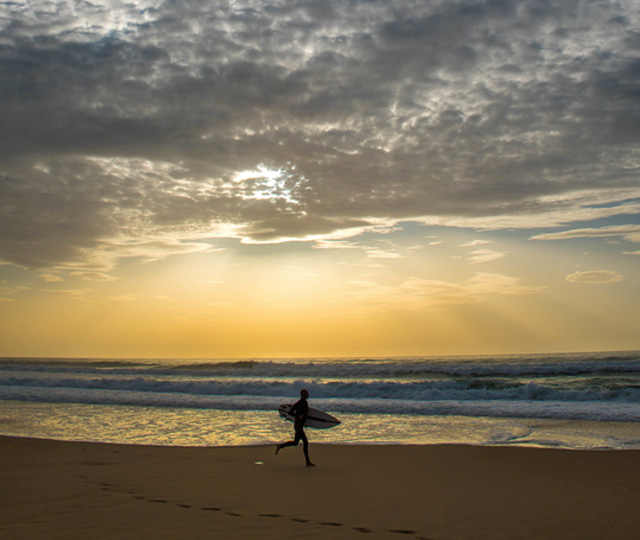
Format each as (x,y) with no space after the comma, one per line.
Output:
(56,490)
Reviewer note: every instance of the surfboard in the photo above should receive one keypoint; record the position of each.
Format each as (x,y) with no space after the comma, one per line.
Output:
(315,419)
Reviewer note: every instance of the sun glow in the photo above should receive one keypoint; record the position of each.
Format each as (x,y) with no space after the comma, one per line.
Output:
(264,183)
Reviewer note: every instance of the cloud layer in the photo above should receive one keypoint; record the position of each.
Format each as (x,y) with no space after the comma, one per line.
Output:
(166,123)
(595,277)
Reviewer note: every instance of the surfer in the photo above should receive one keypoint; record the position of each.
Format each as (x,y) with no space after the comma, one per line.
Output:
(299,411)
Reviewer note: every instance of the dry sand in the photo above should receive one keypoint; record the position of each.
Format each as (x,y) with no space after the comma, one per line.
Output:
(51,490)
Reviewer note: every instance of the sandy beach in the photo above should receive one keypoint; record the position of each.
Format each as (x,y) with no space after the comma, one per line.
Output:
(70,490)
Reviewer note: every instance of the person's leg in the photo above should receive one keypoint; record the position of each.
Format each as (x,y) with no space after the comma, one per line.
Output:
(294,442)
(305,448)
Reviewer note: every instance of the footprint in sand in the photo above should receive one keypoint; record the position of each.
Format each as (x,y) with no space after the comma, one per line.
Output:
(363,530)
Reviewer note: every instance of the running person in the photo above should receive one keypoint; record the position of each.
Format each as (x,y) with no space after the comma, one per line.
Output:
(299,411)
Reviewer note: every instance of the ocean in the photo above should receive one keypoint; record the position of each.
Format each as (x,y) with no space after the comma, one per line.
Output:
(581,401)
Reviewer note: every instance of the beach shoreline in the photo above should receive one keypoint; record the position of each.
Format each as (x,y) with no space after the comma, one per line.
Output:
(56,489)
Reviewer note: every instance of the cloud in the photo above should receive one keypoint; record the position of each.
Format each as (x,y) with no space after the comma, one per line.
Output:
(274,121)
(51,278)
(93,276)
(485,255)
(549,212)
(628,232)
(486,283)
(322,243)
(383,254)
(473,243)
(594,277)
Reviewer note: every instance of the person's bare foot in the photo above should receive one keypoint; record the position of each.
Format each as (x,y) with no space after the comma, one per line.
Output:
(278,447)
(309,464)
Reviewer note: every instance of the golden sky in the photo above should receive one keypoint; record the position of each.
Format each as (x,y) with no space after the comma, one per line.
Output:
(415,291)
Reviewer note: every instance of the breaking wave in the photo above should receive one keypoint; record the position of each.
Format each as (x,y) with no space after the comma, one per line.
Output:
(596,386)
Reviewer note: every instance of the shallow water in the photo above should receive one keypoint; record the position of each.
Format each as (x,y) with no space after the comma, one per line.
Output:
(198,427)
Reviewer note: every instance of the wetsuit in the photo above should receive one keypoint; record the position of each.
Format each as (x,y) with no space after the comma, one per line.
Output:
(299,411)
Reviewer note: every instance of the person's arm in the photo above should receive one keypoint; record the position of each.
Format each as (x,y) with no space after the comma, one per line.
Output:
(293,411)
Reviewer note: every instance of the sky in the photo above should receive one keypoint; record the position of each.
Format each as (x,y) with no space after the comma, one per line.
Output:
(319,178)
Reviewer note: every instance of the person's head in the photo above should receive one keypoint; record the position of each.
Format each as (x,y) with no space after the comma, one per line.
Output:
(304,393)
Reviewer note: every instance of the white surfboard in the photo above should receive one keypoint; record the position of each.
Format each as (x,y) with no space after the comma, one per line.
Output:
(315,419)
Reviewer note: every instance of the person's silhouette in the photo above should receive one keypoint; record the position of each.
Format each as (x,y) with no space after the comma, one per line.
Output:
(299,411)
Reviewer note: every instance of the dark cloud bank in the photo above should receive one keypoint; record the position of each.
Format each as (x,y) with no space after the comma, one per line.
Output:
(133,120)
